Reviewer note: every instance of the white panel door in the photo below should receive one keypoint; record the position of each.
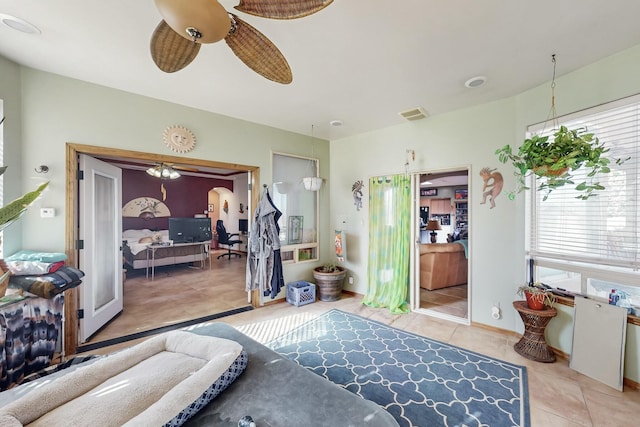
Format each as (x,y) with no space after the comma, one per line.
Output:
(101,231)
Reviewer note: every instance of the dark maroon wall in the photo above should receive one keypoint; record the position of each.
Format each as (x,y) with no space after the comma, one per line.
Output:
(186,196)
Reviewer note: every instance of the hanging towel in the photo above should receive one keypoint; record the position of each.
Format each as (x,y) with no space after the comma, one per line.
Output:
(264,262)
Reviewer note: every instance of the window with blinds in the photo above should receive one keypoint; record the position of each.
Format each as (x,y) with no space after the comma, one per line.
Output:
(602,232)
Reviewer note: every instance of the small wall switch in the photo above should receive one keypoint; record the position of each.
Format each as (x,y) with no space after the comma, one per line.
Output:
(47,212)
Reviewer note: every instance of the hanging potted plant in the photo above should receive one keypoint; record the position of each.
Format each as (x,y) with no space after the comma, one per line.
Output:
(312,182)
(329,280)
(537,297)
(552,160)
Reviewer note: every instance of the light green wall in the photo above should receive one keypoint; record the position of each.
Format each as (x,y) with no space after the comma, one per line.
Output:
(466,138)
(57,110)
(470,137)
(10,94)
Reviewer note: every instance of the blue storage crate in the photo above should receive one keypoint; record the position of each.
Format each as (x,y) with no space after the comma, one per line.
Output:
(301,293)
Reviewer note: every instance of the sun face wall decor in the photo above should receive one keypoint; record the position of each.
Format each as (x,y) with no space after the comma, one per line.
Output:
(179,139)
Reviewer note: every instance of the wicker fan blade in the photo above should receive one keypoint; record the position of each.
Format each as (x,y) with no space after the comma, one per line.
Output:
(258,52)
(281,9)
(170,51)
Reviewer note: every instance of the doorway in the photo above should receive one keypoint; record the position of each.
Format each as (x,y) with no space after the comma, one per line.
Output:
(441,229)
(72,209)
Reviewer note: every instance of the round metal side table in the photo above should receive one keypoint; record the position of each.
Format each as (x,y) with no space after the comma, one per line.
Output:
(533,345)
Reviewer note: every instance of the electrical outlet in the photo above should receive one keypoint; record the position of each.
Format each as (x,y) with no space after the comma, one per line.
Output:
(351,280)
(496,312)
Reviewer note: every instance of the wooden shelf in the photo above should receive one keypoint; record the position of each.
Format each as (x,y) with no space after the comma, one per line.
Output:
(303,252)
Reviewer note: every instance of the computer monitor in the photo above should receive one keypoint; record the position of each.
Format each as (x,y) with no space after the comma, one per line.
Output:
(243,226)
(189,230)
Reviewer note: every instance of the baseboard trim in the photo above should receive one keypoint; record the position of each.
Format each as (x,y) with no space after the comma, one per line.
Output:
(560,354)
(119,340)
(631,384)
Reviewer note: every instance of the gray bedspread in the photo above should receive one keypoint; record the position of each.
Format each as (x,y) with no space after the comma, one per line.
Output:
(275,391)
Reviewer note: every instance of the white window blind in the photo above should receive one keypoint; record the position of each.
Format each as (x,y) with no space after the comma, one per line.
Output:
(603,230)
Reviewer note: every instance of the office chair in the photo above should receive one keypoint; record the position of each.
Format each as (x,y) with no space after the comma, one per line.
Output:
(224,238)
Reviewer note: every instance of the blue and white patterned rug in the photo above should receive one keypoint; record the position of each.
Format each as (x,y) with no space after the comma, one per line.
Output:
(420,381)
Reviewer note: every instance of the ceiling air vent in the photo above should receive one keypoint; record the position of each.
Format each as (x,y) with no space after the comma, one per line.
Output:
(414,114)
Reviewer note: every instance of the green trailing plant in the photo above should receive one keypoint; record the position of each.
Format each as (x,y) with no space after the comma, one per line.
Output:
(553,160)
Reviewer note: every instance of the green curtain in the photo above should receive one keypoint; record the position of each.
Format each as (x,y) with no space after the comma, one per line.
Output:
(389,240)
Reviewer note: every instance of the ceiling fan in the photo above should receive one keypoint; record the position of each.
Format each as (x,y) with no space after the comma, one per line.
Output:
(187,24)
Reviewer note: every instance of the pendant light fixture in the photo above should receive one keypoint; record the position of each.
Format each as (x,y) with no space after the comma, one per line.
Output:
(163,171)
(312,182)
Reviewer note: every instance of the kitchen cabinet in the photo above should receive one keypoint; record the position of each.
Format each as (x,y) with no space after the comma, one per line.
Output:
(440,206)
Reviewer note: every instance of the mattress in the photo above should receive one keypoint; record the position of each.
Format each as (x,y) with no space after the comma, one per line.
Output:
(161,381)
(165,255)
(272,390)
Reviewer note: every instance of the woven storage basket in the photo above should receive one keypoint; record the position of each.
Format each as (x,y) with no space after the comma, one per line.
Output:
(4,277)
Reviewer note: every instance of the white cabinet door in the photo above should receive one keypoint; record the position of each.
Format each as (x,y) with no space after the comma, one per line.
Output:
(599,335)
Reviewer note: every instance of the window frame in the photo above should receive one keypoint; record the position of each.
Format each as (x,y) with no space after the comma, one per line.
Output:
(306,250)
(626,274)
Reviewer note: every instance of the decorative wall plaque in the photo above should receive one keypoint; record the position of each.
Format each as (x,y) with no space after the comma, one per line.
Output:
(179,139)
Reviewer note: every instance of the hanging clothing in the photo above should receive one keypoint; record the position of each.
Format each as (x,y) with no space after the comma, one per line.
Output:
(264,262)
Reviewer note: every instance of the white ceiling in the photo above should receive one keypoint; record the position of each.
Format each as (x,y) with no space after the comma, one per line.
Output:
(359,61)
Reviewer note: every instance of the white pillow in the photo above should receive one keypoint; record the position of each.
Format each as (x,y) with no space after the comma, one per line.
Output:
(136,234)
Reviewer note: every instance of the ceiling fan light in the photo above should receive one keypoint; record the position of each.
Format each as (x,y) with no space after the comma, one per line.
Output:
(163,172)
(207,16)
(19,24)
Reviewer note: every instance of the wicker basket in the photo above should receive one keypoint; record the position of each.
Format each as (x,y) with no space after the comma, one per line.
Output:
(547,171)
(4,277)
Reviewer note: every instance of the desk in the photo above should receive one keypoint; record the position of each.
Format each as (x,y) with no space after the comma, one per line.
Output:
(199,248)
(533,345)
